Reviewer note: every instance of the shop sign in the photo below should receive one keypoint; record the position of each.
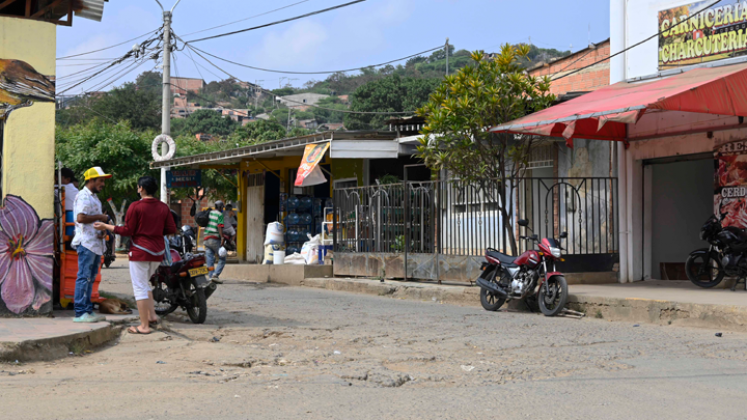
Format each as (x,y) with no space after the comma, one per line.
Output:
(309,172)
(706,34)
(191,178)
(730,186)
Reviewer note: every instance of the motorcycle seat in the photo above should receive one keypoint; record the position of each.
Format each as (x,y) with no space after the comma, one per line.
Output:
(506,260)
(175,267)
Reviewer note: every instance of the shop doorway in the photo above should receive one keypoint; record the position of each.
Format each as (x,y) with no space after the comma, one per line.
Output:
(255,210)
(678,198)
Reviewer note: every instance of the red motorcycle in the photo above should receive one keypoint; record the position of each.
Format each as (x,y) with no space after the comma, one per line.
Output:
(505,278)
(184,284)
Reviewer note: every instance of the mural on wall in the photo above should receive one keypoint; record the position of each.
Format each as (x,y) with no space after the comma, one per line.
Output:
(21,85)
(26,258)
(730,185)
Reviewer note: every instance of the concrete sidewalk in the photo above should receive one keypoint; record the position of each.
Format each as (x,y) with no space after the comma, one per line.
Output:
(33,339)
(658,302)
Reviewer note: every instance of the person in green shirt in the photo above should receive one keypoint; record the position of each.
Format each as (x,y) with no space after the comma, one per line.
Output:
(214,241)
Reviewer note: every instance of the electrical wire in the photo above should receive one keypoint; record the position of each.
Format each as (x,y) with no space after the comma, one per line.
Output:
(317,72)
(245,19)
(111,46)
(301,103)
(638,43)
(329,9)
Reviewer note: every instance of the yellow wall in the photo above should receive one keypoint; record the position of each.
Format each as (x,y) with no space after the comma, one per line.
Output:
(28,151)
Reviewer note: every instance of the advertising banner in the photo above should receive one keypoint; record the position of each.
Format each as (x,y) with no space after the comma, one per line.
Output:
(309,172)
(705,34)
(191,178)
(730,192)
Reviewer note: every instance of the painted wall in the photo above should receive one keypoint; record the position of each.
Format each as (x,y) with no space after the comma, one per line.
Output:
(28,151)
(27,66)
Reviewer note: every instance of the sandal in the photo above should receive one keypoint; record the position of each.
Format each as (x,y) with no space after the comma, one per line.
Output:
(154,324)
(136,330)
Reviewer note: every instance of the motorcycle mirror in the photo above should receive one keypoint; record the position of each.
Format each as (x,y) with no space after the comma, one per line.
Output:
(534,237)
(563,235)
(523,222)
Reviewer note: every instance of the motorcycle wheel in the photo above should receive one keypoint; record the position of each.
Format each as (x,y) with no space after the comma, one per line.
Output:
(553,295)
(197,310)
(695,264)
(162,305)
(490,301)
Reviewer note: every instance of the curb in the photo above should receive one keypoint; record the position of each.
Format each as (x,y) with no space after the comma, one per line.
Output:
(45,349)
(611,309)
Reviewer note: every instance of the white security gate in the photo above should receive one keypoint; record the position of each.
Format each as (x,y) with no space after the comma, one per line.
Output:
(255,217)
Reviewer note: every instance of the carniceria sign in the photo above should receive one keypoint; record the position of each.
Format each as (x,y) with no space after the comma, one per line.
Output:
(695,33)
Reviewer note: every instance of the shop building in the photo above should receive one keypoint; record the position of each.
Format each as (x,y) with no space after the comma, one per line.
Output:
(675,112)
(267,174)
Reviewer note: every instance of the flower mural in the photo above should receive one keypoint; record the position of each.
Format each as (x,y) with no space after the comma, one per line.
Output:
(26,256)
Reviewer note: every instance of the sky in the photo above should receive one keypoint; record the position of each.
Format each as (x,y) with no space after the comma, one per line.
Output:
(366,33)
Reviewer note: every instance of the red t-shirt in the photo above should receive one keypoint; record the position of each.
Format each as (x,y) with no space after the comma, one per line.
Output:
(146,223)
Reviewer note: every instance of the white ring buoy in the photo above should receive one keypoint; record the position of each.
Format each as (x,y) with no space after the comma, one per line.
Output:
(155,150)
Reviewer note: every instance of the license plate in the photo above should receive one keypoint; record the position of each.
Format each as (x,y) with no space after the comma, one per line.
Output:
(201,271)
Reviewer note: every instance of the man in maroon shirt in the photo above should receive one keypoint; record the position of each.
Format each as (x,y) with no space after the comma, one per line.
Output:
(146,223)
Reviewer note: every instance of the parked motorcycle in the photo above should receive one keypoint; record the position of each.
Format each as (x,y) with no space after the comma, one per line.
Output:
(706,267)
(506,278)
(183,284)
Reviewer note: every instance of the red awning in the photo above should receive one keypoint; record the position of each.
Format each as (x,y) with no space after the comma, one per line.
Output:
(605,113)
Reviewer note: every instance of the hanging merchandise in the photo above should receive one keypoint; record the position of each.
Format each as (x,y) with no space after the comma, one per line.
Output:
(309,173)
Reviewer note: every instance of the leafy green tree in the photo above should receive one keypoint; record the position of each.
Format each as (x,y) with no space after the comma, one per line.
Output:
(390,94)
(325,115)
(150,81)
(486,94)
(117,148)
(209,122)
(217,184)
(258,131)
(140,107)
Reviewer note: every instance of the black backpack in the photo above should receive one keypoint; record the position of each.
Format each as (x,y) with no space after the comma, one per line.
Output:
(202,218)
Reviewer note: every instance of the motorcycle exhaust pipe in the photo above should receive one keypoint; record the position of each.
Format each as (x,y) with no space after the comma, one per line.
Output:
(491,287)
(210,289)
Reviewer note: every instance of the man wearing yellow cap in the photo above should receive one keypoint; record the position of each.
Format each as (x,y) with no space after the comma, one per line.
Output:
(89,242)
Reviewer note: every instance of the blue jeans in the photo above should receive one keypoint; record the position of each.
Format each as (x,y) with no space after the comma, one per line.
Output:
(88,267)
(211,251)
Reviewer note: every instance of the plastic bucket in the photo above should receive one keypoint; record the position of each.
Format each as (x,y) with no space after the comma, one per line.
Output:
(278,257)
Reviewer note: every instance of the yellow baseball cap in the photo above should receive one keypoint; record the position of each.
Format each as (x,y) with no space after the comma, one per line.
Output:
(95,172)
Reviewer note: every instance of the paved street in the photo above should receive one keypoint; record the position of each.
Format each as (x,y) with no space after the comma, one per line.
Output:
(269,351)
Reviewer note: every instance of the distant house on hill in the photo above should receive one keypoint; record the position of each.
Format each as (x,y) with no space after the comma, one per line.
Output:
(301,101)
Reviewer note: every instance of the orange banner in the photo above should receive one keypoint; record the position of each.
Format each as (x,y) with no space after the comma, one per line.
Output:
(309,172)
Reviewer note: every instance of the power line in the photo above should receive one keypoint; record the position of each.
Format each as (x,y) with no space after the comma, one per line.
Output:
(250,17)
(440,47)
(329,9)
(109,47)
(638,43)
(301,103)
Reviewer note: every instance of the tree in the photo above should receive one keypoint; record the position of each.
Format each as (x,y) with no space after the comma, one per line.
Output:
(217,184)
(258,131)
(488,93)
(151,81)
(209,122)
(117,148)
(390,94)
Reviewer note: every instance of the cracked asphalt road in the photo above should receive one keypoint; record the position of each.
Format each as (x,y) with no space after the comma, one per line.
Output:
(270,351)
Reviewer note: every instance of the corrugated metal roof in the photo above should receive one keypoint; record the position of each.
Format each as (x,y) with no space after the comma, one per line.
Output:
(90,9)
(272,148)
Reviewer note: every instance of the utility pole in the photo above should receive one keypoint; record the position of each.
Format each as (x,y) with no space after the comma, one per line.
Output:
(166,111)
(289,119)
(447,56)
